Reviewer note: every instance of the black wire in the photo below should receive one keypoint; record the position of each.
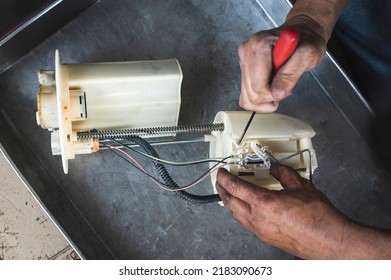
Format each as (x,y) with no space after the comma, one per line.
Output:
(156,179)
(166,162)
(165,175)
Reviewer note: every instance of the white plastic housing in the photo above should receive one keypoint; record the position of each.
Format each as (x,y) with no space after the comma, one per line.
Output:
(104,96)
(281,135)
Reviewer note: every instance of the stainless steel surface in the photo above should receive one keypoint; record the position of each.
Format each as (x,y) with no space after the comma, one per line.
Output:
(25,24)
(109,210)
(24,211)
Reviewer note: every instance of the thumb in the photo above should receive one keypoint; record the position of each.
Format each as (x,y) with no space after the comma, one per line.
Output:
(288,177)
(305,58)
(285,79)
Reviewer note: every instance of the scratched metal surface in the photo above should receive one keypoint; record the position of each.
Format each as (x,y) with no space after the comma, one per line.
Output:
(108,209)
(26,231)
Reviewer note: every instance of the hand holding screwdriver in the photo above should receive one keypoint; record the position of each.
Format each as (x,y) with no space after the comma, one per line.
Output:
(284,48)
(298,219)
(262,86)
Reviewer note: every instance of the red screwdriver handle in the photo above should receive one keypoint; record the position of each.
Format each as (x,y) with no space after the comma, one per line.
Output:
(285,46)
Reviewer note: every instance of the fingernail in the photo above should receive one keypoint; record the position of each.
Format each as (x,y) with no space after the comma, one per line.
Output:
(278,93)
(219,172)
(222,170)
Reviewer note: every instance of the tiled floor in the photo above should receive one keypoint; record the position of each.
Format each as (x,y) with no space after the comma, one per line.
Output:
(26,232)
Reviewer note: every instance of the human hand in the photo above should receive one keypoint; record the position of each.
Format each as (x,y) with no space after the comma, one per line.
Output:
(298,219)
(262,88)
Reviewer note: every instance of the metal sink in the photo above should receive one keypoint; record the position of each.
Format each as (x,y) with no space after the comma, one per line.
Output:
(109,210)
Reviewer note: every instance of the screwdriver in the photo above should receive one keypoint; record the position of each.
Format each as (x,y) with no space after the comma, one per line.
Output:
(284,48)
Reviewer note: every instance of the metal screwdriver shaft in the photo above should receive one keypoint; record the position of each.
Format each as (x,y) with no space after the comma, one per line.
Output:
(246,128)
(284,48)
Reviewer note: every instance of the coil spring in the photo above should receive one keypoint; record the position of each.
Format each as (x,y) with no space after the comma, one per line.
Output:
(161,130)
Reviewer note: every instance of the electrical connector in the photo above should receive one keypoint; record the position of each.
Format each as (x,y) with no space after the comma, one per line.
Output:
(270,138)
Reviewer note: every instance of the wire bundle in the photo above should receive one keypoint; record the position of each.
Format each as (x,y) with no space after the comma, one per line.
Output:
(168,183)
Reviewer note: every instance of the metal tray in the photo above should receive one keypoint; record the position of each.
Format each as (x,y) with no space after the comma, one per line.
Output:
(106,208)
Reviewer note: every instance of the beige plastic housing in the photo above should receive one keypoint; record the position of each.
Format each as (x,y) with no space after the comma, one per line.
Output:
(104,96)
(280,135)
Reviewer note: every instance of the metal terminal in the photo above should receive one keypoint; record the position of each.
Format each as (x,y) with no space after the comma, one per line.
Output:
(148,131)
(252,159)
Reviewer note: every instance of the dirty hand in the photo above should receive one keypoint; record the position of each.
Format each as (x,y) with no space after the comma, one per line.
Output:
(298,219)
(261,88)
